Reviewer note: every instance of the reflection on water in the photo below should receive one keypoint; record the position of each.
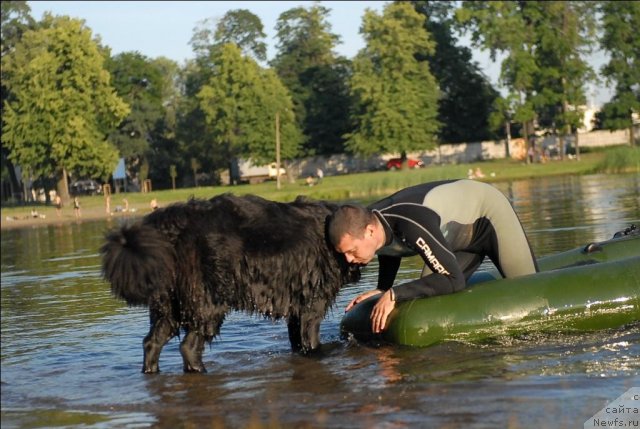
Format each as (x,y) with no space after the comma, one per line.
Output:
(573,209)
(71,354)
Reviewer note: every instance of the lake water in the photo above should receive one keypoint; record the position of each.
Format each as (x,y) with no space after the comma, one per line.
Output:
(72,355)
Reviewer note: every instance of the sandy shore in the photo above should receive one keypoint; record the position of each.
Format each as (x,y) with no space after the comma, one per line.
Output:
(50,217)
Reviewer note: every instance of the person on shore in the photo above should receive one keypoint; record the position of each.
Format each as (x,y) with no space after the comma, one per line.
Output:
(58,203)
(153,204)
(319,175)
(76,207)
(451,224)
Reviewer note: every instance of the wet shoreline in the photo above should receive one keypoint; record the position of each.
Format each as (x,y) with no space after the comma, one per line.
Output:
(51,219)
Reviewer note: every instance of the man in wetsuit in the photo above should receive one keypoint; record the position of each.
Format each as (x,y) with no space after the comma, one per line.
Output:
(451,224)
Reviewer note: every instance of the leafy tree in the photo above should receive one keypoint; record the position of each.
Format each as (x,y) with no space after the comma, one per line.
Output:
(566,31)
(140,83)
(16,19)
(507,27)
(327,107)
(467,97)
(240,102)
(396,95)
(62,103)
(164,146)
(315,76)
(620,24)
(238,26)
(245,30)
(193,132)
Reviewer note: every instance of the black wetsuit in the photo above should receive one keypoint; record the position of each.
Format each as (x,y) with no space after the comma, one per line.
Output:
(452,225)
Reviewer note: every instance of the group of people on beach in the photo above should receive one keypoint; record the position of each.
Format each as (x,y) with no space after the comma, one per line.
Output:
(57,202)
(77,210)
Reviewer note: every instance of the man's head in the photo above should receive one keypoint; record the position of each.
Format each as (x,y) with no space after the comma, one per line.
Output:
(355,231)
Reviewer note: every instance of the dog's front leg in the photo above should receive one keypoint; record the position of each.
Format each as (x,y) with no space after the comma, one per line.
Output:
(162,330)
(191,349)
(310,332)
(295,338)
(304,332)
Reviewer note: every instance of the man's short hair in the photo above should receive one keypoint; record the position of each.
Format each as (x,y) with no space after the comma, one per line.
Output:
(349,219)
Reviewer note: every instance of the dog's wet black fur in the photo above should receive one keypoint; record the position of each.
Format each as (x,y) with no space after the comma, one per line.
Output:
(192,263)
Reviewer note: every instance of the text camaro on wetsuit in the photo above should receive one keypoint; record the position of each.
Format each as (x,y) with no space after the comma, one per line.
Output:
(415,229)
(435,264)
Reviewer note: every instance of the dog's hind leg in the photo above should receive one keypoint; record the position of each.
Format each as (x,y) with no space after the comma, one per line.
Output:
(191,349)
(162,330)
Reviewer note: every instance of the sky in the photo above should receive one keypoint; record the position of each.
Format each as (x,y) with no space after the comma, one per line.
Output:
(164,28)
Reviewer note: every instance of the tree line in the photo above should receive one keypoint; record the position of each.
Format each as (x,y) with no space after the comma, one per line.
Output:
(71,109)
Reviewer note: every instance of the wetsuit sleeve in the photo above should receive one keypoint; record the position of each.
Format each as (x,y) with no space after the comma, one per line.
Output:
(420,230)
(388,268)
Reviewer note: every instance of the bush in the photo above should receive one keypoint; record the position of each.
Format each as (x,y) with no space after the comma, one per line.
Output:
(620,160)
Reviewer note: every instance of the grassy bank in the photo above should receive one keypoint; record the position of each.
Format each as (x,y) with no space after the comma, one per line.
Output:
(345,187)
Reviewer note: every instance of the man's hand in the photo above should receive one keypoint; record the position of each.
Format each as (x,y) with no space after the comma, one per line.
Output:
(362,298)
(381,311)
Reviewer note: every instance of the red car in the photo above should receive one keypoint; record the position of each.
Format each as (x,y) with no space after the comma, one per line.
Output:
(396,163)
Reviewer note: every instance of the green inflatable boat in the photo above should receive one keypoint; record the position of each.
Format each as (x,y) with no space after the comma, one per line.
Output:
(593,287)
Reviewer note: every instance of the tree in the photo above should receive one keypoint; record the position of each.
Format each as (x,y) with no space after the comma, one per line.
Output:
(193,132)
(16,19)
(565,32)
(507,27)
(315,76)
(327,107)
(467,97)
(139,81)
(62,103)
(396,95)
(620,24)
(238,26)
(240,102)
(165,147)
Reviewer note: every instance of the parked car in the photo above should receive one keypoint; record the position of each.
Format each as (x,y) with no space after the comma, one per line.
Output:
(273,171)
(85,187)
(396,163)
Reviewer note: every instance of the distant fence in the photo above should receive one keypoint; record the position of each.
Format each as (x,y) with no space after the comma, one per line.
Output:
(607,138)
(452,153)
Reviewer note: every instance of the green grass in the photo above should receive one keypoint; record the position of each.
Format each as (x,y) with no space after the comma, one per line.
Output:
(620,159)
(352,186)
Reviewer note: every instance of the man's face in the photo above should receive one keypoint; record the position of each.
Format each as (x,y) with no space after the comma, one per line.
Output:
(358,250)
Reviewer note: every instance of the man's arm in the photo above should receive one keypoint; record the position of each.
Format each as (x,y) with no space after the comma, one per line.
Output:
(387,270)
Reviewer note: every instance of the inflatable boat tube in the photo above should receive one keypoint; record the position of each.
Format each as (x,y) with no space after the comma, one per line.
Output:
(593,287)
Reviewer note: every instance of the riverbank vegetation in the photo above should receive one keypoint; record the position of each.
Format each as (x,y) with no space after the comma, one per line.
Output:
(620,160)
(337,188)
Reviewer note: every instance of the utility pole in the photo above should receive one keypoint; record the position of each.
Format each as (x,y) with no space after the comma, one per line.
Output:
(507,128)
(278,150)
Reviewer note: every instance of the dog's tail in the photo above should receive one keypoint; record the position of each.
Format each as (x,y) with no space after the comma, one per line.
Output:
(138,261)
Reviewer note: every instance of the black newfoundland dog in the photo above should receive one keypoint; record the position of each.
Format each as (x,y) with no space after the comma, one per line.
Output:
(191,263)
